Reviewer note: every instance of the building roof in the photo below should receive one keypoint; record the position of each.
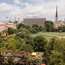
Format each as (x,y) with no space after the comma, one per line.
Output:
(4,26)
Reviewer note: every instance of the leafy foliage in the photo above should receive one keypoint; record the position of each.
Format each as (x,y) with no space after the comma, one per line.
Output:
(49,25)
(39,43)
(21,39)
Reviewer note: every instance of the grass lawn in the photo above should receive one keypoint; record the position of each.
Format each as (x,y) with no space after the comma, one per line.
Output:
(50,34)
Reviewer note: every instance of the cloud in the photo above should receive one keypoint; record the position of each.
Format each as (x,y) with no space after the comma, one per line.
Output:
(33,8)
(4,7)
(17,1)
(8,10)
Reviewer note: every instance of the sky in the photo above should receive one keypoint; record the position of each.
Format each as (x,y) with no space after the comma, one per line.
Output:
(19,9)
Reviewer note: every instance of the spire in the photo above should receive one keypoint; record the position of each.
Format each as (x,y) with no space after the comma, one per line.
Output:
(56,14)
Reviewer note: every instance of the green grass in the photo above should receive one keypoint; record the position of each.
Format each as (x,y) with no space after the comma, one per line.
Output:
(50,34)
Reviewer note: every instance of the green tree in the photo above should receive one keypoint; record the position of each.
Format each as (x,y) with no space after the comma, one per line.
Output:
(20,25)
(61,28)
(1,42)
(39,43)
(23,33)
(36,29)
(14,43)
(54,53)
(27,48)
(49,26)
(11,31)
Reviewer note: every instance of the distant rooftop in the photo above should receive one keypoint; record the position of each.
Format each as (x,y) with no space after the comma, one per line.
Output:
(4,26)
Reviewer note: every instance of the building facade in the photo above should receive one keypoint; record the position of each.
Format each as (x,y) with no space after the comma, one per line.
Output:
(34,21)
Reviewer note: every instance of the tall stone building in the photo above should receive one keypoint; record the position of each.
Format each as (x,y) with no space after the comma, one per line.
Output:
(35,21)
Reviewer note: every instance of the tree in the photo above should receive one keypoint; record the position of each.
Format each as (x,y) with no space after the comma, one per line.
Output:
(20,25)
(49,26)
(11,31)
(54,53)
(14,43)
(39,44)
(27,48)
(11,43)
(61,28)
(1,42)
(35,28)
(23,33)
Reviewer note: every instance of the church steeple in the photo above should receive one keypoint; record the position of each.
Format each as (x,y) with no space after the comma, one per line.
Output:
(56,15)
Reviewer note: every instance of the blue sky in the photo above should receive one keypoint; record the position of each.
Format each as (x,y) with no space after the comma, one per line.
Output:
(31,8)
